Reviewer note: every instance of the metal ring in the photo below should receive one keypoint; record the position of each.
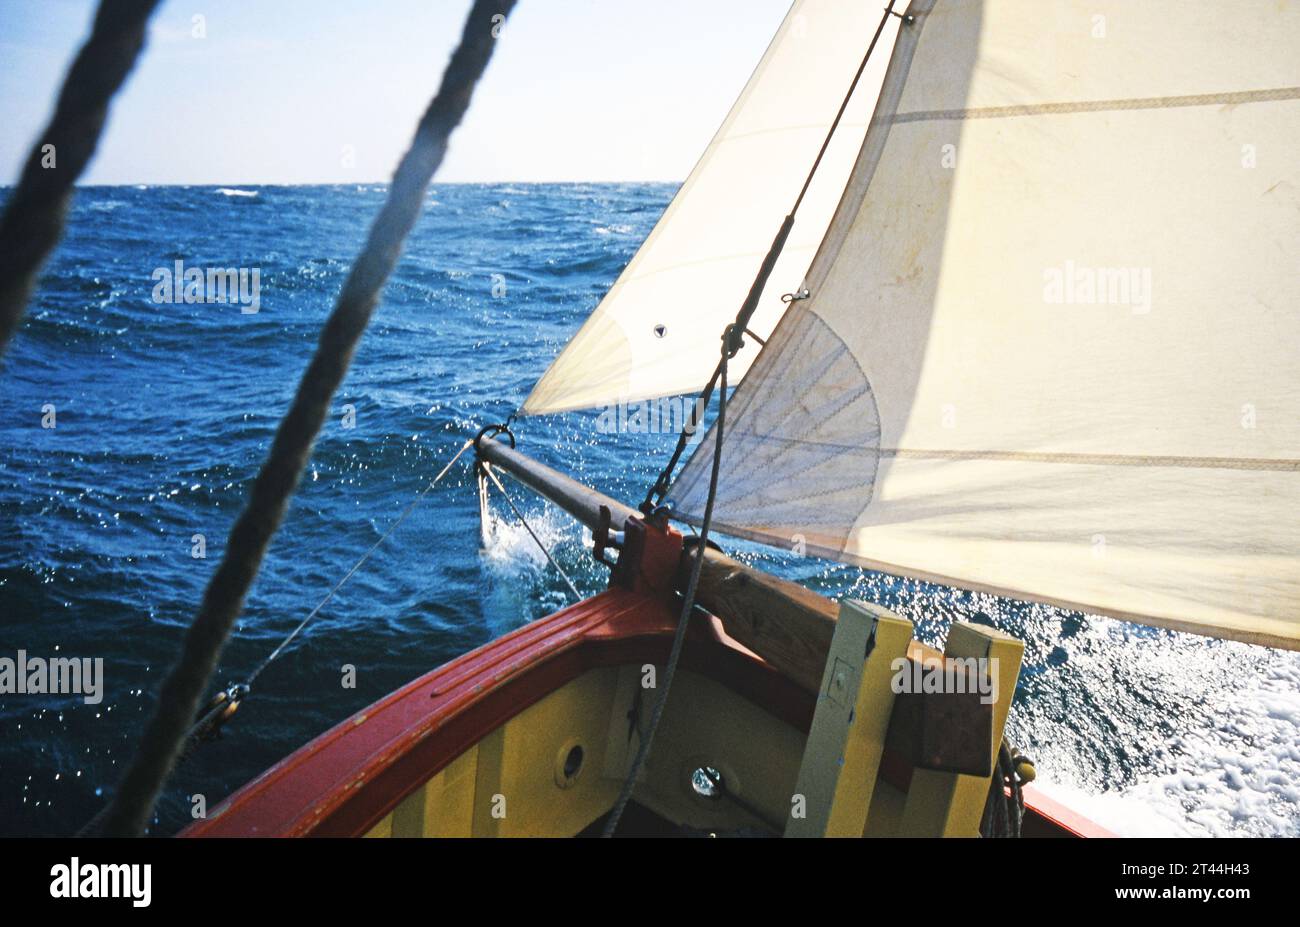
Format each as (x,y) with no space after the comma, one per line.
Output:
(491,431)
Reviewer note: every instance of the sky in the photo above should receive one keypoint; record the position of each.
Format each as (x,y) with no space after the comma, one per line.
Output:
(329,91)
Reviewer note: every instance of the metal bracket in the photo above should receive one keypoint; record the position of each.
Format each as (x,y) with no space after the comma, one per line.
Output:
(630,543)
(604,539)
(631,547)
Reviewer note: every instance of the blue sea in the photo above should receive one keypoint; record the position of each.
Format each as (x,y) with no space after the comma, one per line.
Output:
(162,413)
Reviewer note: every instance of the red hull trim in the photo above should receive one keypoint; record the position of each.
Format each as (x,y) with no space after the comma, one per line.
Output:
(348,779)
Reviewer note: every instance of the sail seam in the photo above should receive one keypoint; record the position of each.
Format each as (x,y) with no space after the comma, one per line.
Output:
(1094,106)
(1117,460)
(1281,464)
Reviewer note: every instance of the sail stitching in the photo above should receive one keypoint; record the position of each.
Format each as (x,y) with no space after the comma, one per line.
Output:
(1118,460)
(1281,464)
(1094,106)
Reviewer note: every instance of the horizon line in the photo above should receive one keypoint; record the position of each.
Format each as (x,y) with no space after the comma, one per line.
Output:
(345,183)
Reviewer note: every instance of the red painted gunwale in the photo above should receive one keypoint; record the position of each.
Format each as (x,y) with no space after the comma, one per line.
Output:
(348,779)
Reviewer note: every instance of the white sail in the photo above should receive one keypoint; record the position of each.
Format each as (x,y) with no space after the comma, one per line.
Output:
(656,333)
(1052,349)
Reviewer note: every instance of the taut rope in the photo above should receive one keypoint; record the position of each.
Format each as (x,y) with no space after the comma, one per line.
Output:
(732,342)
(661,485)
(274,654)
(688,602)
(222,601)
(32,223)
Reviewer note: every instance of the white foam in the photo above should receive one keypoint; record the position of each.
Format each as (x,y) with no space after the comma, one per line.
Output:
(229,191)
(511,550)
(521,583)
(1237,776)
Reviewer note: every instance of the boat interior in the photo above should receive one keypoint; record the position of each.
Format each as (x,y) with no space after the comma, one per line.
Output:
(533,734)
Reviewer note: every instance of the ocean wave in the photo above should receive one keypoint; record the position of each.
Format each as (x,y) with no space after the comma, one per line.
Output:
(1214,787)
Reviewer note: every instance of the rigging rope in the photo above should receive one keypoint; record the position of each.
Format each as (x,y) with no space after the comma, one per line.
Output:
(178,700)
(248,683)
(853,85)
(732,342)
(688,603)
(487,468)
(739,328)
(226,701)
(33,218)
(1004,809)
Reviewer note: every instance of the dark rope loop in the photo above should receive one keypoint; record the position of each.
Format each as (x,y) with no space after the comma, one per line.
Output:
(1004,809)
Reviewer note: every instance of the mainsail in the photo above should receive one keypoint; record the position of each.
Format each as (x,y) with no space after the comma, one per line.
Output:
(656,331)
(1052,348)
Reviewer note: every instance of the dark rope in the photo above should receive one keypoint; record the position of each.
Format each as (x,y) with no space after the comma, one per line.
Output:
(33,218)
(835,123)
(179,698)
(740,327)
(1004,809)
(688,603)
